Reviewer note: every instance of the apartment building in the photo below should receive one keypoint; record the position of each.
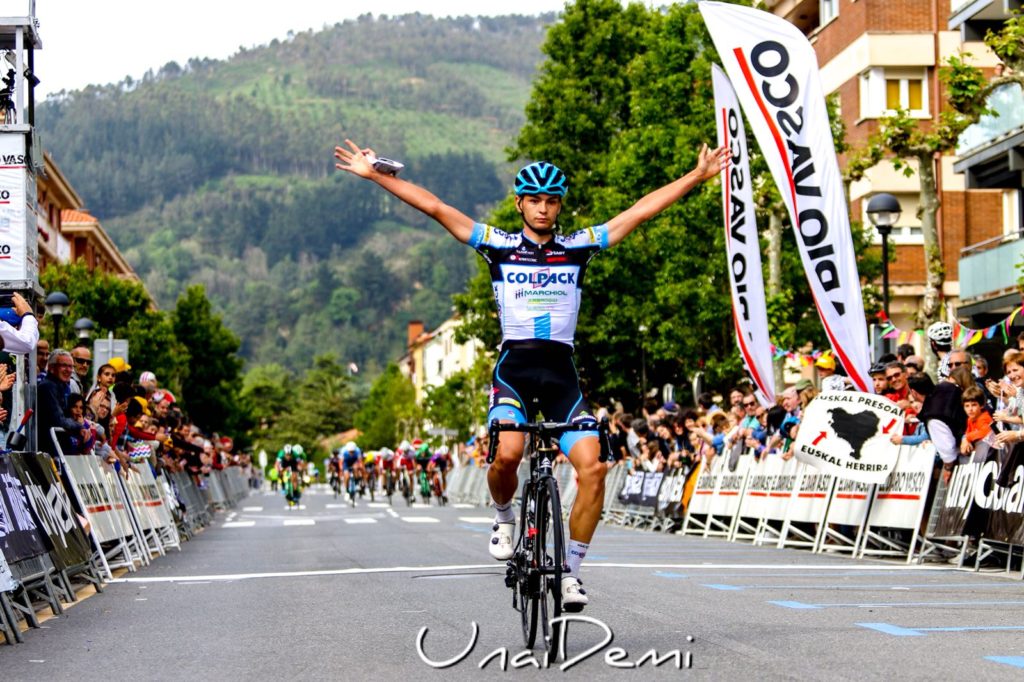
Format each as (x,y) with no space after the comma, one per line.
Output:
(433,357)
(880,55)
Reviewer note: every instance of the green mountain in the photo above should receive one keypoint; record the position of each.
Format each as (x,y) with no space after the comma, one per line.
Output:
(222,173)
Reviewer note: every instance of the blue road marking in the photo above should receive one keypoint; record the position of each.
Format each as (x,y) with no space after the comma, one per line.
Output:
(475,529)
(898,631)
(669,574)
(1015,661)
(868,586)
(882,605)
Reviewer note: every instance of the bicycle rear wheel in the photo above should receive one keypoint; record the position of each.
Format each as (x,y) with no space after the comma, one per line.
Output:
(550,552)
(527,594)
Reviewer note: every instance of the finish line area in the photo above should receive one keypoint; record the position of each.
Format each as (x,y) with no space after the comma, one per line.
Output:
(288,590)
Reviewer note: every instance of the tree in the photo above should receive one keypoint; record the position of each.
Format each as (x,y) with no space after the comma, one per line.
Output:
(322,407)
(265,397)
(460,403)
(211,389)
(123,307)
(390,405)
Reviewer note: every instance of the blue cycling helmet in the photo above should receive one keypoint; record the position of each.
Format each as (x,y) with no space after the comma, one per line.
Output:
(9,316)
(541,178)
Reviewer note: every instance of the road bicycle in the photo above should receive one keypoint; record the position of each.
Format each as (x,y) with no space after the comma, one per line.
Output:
(405,484)
(425,489)
(534,573)
(437,486)
(389,483)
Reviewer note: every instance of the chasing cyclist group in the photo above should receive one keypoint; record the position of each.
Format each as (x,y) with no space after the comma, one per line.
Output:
(409,468)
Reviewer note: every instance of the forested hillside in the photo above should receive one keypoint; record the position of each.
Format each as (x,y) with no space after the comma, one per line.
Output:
(221,173)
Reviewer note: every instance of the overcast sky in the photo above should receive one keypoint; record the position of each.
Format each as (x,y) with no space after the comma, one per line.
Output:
(102,41)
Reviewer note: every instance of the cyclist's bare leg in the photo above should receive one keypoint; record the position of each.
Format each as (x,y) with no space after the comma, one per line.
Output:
(586,510)
(502,476)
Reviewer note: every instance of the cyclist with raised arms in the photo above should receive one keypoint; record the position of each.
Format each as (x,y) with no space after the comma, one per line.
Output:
(537,279)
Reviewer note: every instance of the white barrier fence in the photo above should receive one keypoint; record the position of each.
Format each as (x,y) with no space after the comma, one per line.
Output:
(790,504)
(767,502)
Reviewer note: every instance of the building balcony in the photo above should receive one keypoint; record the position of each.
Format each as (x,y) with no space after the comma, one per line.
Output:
(975,17)
(992,150)
(989,273)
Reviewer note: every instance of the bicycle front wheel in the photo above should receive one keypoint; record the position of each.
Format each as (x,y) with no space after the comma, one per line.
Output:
(527,594)
(550,552)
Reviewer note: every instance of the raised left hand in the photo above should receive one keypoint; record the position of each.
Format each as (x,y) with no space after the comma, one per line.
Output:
(711,162)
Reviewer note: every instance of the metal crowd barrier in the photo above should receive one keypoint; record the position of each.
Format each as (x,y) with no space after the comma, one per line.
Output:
(133,517)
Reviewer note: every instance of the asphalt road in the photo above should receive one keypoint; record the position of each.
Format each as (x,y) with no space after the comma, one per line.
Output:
(329,592)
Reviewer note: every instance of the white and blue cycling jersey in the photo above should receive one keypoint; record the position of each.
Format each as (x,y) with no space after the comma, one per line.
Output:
(537,287)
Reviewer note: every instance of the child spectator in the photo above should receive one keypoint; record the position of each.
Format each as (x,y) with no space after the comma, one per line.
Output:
(979,421)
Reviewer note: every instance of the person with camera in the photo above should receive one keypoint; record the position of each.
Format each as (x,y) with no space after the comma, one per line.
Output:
(537,280)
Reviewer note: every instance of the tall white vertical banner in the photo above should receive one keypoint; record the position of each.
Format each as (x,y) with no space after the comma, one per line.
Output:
(775,73)
(743,248)
(14,257)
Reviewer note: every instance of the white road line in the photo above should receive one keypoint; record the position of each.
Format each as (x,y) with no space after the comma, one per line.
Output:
(420,505)
(472,567)
(239,524)
(362,519)
(459,505)
(299,522)
(378,505)
(477,519)
(420,519)
(252,509)
(336,506)
(392,513)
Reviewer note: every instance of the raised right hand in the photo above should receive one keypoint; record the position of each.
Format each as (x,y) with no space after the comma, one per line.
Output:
(354,160)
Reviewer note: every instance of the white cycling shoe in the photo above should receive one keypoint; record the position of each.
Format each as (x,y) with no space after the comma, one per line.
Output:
(574,597)
(500,545)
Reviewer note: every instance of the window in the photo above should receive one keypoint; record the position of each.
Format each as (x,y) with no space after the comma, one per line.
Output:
(827,11)
(884,90)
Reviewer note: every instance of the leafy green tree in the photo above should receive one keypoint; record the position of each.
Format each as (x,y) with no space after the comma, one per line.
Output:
(265,394)
(123,307)
(390,406)
(211,389)
(460,403)
(321,407)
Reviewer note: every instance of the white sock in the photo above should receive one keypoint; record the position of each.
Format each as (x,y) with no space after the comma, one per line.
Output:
(574,554)
(504,513)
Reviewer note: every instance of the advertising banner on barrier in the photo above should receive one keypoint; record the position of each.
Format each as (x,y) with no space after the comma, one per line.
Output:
(849,503)
(811,499)
(775,73)
(652,484)
(704,489)
(847,433)
(7,581)
(103,506)
(974,494)
(632,488)
(899,501)
(53,509)
(20,537)
(742,243)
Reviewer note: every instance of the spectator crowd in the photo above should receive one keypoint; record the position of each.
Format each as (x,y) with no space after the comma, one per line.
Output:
(125,419)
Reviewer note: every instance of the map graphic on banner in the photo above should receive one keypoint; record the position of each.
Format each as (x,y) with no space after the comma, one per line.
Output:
(848,434)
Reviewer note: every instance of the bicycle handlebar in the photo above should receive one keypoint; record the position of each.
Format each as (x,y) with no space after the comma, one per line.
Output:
(549,429)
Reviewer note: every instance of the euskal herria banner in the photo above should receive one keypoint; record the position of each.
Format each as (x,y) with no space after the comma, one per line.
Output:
(849,434)
(743,246)
(775,73)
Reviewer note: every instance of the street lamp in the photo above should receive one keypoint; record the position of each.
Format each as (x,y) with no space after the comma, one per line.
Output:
(643,366)
(883,212)
(56,305)
(83,328)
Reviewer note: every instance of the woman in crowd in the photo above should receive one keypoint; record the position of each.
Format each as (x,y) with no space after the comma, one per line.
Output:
(942,413)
